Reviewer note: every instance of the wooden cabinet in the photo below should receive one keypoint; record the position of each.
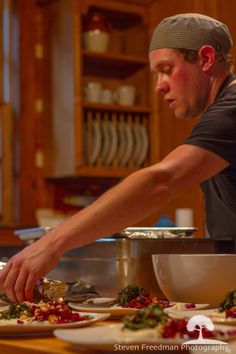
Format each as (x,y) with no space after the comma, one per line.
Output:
(56,122)
(94,139)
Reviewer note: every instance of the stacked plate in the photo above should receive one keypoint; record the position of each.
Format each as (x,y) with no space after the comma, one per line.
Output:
(116,140)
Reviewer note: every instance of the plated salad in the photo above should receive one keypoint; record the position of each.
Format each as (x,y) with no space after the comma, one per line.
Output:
(154,322)
(137,297)
(51,312)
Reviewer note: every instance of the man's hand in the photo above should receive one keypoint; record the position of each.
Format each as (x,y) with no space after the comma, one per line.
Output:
(18,277)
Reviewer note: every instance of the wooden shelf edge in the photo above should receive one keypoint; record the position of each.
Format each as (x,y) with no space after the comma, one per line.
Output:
(116,107)
(115,57)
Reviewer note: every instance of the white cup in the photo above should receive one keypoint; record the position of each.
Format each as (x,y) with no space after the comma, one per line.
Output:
(125,95)
(184,217)
(93,92)
(106,96)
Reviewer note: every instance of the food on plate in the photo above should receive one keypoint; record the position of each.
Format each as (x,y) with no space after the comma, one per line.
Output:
(182,306)
(52,312)
(148,317)
(154,322)
(133,296)
(227,307)
(46,289)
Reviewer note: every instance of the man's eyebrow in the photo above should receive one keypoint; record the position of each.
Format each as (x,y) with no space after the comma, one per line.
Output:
(159,65)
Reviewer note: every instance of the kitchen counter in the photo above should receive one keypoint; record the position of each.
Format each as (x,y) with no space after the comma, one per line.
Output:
(52,345)
(123,261)
(40,344)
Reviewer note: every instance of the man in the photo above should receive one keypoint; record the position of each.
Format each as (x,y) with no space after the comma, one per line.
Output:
(195,80)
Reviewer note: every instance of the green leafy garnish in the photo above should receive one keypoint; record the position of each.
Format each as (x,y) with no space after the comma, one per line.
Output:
(228,302)
(15,311)
(129,293)
(145,318)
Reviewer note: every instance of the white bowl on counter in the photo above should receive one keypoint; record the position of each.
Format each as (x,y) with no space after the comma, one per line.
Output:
(195,278)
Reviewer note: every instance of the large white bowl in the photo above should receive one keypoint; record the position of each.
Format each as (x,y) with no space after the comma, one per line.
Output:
(195,278)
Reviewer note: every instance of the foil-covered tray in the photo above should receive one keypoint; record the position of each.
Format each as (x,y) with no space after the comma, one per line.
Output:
(28,236)
(156,232)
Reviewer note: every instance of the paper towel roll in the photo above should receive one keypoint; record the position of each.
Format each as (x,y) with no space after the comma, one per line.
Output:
(184,217)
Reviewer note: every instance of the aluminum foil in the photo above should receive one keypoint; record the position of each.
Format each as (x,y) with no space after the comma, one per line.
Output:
(156,233)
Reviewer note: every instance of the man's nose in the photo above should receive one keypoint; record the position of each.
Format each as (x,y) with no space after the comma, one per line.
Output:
(161,86)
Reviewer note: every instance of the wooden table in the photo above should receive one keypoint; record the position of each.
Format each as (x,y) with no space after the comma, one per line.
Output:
(41,345)
(52,345)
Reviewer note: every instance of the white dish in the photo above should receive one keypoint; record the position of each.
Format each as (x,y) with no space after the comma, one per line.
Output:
(137,142)
(114,311)
(207,312)
(122,142)
(11,326)
(224,321)
(97,141)
(180,306)
(106,141)
(108,338)
(113,143)
(189,313)
(220,317)
(145,144)
(129,145)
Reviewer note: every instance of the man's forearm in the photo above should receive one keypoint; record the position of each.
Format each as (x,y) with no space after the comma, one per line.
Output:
(133,199)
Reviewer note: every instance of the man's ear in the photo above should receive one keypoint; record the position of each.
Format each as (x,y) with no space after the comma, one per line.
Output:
(207,57)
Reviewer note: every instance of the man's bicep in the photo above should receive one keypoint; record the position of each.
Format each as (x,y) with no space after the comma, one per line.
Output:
(188,165)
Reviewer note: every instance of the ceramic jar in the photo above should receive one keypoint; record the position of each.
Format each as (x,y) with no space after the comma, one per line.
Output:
(96,32)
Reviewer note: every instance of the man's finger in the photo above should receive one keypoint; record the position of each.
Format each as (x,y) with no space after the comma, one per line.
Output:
(9,284)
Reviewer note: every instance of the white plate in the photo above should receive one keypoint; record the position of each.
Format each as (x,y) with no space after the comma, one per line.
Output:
(137,142)
(219,317)
(106,141)
(11,326)
(122,142)
(180,306)
(207,312)
(130,144)
(114,311)
(113,144)
(145,144)
(97,141)
(224,321)
(108,338)
(189,313)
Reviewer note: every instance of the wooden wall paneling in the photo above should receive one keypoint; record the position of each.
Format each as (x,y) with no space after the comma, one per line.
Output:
(42,107)
(60,58)
(79,157)
(48,15)
(27,118)
(226,13)
(123,7)
(1,52)
(7,153)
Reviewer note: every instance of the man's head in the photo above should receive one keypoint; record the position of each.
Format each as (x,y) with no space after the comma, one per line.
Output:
(190,55)
(191,31)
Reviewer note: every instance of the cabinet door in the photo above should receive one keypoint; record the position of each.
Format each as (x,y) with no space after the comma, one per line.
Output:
(92,137)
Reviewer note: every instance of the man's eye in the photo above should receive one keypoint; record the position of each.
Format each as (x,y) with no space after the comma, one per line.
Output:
(166,69)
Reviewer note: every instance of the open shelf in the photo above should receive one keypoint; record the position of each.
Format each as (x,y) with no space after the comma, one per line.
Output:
(116,108)
(118,66)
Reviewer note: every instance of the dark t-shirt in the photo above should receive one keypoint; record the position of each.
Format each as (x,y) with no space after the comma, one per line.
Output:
(216,132)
